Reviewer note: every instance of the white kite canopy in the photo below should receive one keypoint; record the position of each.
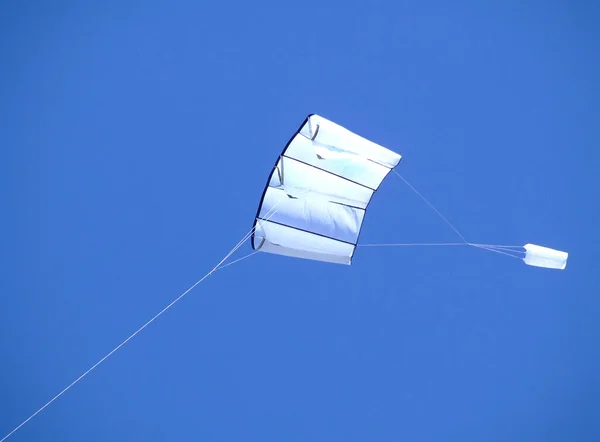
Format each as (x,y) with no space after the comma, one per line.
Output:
(539,256)
(315,200)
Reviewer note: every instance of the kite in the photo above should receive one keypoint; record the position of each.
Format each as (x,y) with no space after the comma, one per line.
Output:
(319,190)
(313,207)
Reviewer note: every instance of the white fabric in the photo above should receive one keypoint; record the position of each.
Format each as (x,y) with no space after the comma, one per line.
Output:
(339,138)
(281,240)
(319,191)
(313,213)
(539,256)
(367,173)
(298,179)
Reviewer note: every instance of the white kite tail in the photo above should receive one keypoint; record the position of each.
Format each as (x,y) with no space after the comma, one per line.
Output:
(539,256)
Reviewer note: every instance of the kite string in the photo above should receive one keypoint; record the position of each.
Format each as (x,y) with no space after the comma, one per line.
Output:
(269,215)
(112,352)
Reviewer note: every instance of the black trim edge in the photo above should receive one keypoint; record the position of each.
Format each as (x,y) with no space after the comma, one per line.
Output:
(256,218)
(262,198)
(308,231)
(329,172)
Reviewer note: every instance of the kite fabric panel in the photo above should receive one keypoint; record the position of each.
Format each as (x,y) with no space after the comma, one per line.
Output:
(316,198)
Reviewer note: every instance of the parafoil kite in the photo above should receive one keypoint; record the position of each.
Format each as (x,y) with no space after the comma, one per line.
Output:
(314,204)
(318,192)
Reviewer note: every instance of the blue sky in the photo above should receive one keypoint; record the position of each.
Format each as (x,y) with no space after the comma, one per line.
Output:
(137,139)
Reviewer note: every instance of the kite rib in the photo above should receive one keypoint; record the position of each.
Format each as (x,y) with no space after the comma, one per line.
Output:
(213,270)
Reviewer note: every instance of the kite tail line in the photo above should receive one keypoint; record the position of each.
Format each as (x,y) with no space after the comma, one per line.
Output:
(431,206)
(511,251)
(219,266)
(503,250)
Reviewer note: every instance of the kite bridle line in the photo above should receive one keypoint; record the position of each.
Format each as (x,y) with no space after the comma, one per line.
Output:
(219,266)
